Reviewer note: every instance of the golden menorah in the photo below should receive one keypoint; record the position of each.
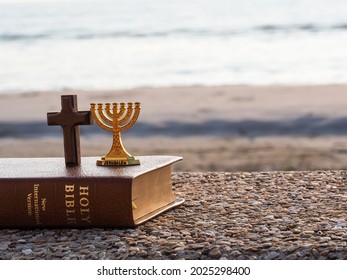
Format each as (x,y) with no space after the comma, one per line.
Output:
(116,118)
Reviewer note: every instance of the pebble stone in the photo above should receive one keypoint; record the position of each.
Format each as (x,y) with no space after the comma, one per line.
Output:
(247,216)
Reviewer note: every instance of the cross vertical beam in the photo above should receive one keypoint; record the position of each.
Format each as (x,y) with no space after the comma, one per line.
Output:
(69,118)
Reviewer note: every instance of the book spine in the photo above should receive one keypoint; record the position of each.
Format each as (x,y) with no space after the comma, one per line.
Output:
(64,202)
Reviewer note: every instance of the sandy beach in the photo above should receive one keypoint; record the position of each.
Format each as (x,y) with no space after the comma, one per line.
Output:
(225,128)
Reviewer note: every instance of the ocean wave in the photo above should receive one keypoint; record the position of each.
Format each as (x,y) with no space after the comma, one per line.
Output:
(189,32)
(301,27)
(22,37)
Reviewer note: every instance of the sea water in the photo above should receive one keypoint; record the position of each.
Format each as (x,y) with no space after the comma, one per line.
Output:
(106,44)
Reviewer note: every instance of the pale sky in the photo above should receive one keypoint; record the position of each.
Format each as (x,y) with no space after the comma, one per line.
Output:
(23,1)
(31,1)
(12,1)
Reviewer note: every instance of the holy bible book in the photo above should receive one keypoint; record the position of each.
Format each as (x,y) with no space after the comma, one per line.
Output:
(42,192)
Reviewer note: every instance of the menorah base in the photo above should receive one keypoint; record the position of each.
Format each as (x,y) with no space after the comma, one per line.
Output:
(117,161)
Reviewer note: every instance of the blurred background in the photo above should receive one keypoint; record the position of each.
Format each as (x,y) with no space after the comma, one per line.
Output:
(107,44)
(231,85)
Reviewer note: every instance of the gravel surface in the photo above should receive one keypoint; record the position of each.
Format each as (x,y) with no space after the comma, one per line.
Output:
(276,215)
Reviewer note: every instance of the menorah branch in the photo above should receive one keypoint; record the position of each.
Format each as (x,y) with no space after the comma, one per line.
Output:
(98,118)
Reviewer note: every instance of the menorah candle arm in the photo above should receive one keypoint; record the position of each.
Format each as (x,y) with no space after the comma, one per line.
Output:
(121,111)
(97,119)
(133,119)
(128,115)
(110,113)
(104,116)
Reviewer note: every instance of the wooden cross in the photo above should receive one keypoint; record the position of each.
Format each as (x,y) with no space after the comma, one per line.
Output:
(69,118)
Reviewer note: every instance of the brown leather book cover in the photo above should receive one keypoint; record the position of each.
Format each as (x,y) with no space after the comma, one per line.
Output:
(43,192)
